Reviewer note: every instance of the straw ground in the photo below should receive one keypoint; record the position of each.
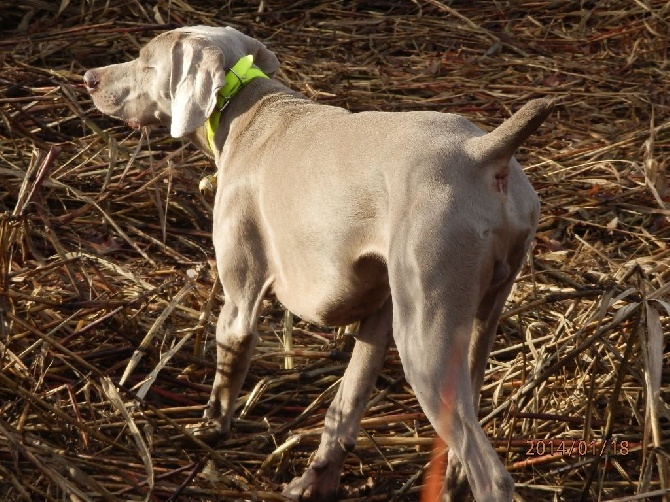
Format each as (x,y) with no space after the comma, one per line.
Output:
(106,261)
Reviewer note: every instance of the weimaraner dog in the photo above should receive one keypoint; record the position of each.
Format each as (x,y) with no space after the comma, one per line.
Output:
(414,223)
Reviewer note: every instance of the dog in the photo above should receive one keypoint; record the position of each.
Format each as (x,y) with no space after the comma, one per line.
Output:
(413,223)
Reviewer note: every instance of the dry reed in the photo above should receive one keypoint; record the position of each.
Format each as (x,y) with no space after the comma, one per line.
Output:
(105,250)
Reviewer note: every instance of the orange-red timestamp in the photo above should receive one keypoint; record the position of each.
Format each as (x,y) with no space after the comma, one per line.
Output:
(580,447)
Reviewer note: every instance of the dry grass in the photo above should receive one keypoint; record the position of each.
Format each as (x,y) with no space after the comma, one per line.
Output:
(104,248)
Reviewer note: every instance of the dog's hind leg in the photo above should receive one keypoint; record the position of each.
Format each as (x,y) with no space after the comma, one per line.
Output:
(321,479)
(437,291)
(455,481)
(483,335)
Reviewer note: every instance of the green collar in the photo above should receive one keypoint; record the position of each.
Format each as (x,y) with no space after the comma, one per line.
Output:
(242,73)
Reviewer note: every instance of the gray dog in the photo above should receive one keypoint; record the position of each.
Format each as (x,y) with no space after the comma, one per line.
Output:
(414,223)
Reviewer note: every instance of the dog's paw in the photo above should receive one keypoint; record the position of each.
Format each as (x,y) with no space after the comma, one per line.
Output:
(208,430)
(456,485)
(207,186)
(312,486)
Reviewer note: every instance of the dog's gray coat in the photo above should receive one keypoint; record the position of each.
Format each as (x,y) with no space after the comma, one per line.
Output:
(414,223)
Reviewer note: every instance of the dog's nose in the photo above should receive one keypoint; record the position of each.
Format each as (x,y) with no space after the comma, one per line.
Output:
(91,80)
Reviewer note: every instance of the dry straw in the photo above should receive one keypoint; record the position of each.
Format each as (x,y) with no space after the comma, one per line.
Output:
(103,228)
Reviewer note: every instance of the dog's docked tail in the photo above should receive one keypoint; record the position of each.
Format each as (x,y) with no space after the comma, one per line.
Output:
(495,149)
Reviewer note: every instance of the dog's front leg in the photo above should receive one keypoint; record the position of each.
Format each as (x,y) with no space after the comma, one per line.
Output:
(321,479)
(235,343)
(242,272)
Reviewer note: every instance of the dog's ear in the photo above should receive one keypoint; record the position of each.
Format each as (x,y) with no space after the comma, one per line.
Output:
(199,61)
(197,73)
(500,144)
(236,45)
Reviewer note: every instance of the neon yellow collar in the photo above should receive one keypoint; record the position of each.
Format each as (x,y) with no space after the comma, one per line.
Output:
(240,74)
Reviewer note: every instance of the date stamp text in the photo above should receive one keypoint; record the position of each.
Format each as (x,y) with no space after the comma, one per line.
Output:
(578,447)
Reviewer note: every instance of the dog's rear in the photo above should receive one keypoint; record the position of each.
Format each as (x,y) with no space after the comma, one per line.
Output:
(451,267)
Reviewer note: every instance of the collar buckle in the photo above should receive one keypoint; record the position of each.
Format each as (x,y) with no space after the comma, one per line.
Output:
(226,101)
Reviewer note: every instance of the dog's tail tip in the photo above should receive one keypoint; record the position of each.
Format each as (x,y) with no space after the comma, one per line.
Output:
(503,141)
(539,108)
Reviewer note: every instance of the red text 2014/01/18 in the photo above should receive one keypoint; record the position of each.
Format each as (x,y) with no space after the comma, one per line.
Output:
(582,447)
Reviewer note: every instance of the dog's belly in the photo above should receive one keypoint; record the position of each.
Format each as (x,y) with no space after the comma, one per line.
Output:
(347,294)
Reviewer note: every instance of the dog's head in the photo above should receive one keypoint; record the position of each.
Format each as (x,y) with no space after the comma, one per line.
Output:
(175,78)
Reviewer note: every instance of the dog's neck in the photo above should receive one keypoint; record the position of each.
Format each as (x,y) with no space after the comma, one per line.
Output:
(246,107)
